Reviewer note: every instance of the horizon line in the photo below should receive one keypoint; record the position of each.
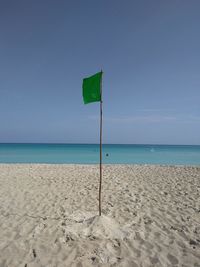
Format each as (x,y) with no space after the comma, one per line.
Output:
(58,143)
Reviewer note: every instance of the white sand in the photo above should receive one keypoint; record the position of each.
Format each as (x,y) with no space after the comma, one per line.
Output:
(48,216)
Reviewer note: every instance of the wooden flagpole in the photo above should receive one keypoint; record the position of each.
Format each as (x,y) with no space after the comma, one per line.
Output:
(100,165)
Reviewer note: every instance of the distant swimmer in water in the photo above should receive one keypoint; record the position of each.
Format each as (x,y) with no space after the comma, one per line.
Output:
(107,155)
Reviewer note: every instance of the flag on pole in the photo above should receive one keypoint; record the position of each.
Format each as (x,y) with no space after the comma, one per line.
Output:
(92,88)
(92,92)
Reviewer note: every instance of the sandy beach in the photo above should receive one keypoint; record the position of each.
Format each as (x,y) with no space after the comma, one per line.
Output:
(49,216)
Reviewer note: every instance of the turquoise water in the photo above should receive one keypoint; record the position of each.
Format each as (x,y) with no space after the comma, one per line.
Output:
(89,154)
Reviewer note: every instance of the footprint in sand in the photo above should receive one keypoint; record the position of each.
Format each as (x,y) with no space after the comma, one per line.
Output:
(173,260)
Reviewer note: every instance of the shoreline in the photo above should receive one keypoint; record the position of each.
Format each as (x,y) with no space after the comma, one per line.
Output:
(97,164)
(106,164)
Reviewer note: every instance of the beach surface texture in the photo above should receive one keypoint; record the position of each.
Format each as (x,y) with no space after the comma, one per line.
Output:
(49,216)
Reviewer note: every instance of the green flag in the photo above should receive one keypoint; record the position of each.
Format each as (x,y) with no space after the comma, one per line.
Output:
(92,88)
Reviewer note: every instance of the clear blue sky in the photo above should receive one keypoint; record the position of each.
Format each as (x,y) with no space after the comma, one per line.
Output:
(149,52)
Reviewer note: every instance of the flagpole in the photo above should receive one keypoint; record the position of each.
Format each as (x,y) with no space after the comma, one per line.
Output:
(100,165)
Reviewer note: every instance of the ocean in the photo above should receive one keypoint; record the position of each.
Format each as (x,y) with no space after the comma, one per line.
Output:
(89,154)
